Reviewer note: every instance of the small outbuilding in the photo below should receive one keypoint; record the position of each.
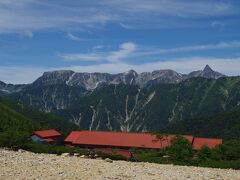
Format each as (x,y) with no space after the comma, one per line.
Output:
(50,136)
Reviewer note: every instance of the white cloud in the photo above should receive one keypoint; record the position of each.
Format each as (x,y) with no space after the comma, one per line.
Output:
(125,49)
(217,24)
(98,47)
(229,66)
(73,37)
(220,45)
(36,15)
(27,34)
(82,57)
(129,49)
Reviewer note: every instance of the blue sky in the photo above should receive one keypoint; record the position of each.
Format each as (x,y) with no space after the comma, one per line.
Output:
(117,35)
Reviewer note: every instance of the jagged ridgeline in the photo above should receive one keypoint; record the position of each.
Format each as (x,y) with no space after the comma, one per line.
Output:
(129,101)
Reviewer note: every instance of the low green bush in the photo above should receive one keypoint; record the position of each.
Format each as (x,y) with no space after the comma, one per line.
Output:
(53,149)
(230,150)
(13,139)
(112,156)
(221,164)
(180,150)
(204,154)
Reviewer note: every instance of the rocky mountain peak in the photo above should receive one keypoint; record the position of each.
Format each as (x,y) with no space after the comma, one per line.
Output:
(2,84)
(90,81)
(131,72)
(58,73)
(207,69)
(54,77)
(209,73)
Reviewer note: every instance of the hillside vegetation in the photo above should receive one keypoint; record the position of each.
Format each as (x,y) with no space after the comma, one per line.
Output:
(130,108)
(46,120)
(224,125)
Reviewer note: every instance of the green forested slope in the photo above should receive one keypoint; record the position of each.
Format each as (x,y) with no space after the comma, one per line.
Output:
(225,125)
(10,119)
(46,120)
(129,108)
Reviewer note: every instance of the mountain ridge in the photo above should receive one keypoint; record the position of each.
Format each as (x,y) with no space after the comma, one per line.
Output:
(90,81)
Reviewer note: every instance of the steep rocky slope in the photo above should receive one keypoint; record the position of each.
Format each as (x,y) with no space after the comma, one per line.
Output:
(130,108)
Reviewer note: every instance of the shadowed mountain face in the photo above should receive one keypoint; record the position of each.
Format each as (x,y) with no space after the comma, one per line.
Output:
(130,108)
(9,88)
(129,101)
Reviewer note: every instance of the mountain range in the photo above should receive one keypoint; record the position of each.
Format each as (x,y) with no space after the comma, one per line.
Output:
(90,81)
(129,101)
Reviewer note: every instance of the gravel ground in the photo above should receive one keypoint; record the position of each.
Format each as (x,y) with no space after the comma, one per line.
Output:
(26,165)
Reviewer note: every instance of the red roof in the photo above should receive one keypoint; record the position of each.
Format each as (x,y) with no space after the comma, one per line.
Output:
(71,137)
(47,133)
(119,139)
(209,142)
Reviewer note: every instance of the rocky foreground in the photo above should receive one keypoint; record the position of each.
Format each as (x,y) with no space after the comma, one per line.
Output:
(26,165)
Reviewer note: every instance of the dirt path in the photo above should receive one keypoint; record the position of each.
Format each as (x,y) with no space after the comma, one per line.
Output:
(26,165)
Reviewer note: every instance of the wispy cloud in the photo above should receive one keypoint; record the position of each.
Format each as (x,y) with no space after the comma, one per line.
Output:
(125,49)
(35,15)
(73,37)
(220,45)
(38,15)
(217,24)
(98,47)
(82,57)
(130,49)
(27,34)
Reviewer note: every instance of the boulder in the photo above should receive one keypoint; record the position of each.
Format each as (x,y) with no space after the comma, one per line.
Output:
(76,154)
(65,154)
(108,160)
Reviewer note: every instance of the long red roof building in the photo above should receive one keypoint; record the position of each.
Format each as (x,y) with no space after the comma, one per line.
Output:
(119,139)
(99,139)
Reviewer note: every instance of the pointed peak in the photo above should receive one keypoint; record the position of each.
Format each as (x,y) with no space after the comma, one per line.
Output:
(207,68)
(131,71)
(2,83)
